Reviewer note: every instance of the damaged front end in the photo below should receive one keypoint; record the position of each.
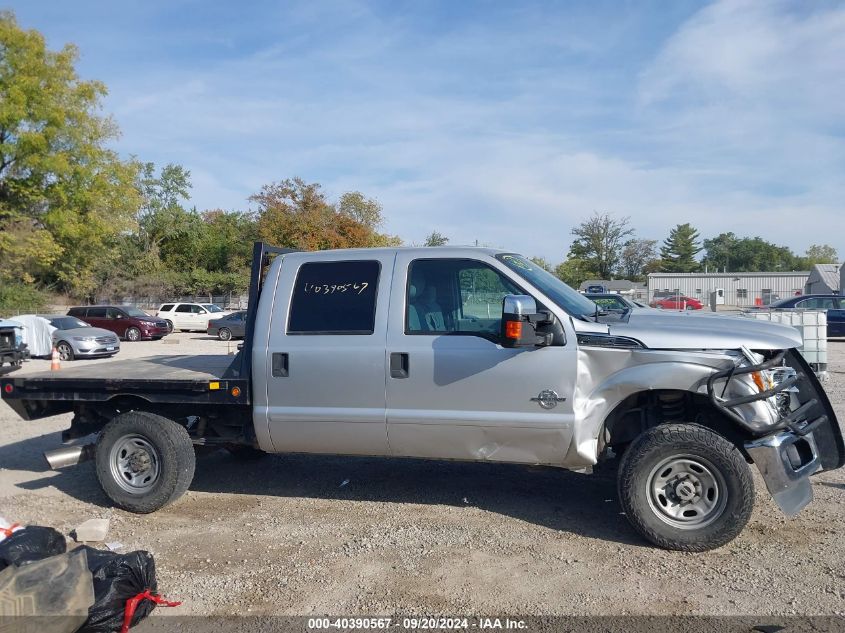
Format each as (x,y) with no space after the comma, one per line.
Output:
(782,405)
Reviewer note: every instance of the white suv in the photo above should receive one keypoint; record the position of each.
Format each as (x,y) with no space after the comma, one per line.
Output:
(189,316)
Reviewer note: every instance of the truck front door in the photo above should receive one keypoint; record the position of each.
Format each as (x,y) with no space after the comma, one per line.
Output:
(453,391)
(326,354)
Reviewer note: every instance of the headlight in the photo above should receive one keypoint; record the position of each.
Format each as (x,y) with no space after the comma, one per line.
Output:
(86,339)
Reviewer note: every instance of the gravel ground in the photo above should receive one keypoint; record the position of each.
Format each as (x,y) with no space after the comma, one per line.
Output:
(283,536)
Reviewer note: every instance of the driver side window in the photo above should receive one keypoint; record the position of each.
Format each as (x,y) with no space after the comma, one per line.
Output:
(455,296)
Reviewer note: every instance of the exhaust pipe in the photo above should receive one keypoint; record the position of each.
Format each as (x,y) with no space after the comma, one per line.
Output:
(69,456)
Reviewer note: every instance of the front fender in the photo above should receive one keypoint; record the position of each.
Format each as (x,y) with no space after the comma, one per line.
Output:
(607,376)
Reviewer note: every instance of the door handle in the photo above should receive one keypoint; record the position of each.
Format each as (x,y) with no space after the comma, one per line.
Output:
(399,365)
(280,364)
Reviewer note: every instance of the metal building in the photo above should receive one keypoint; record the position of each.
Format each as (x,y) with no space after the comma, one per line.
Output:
(739,289)
(823,280)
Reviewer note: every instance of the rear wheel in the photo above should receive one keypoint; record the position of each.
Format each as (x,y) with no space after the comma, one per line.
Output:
(133,334)
(685,487)
(224,334)
(144,461)
(65,351)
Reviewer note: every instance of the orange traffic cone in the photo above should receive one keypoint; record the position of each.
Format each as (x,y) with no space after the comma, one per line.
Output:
(55,361)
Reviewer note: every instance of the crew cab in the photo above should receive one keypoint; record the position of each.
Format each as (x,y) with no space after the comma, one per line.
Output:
(468,354)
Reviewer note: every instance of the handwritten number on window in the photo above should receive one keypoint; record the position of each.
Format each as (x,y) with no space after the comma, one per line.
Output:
(327,289)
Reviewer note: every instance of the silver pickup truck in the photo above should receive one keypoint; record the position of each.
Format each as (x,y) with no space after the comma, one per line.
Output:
(467,354)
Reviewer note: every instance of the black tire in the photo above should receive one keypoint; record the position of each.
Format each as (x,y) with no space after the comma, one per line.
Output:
(224,334)
(723,481)
(169,325)
(65,351)
(133,334)
(245,453)
(172,459)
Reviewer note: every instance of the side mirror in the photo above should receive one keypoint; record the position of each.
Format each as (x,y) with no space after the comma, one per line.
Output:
(519,322)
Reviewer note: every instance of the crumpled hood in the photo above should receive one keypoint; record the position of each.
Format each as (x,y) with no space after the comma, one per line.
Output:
(687,330)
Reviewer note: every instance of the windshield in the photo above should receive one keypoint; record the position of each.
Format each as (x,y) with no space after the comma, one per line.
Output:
(134,312)
(571,301)
(211,307)
(67,323)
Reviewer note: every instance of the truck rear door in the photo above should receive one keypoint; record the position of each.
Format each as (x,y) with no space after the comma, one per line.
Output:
(325,362)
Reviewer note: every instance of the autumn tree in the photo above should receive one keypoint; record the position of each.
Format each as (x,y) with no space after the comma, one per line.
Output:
(296,214)
(598,243)
(679,250)
(64,196)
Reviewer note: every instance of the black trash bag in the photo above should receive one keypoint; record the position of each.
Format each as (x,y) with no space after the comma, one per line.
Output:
(117,578)
(31,544)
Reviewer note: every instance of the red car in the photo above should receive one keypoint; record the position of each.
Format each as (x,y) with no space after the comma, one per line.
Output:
(677,302)
(127,322)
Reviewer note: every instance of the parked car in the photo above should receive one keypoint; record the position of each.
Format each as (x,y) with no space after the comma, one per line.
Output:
(834,304)
(228,327)
(13,351)
(612,301)
(74,339)
(189,317)
(677,302)
(373,352)
(127,322)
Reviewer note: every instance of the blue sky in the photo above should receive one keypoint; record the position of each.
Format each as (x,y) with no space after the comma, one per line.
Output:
(502,122)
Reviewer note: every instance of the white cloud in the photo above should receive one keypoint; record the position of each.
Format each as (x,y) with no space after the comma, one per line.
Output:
(512,132)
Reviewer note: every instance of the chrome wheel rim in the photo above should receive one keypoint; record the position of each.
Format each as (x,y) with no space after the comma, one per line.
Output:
(65,352)
(169,325)
(687,492)
(135,464)
(224,334)
(132,334)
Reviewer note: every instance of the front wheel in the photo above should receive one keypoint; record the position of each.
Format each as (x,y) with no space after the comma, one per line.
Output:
(144,461)
(133,334)
(169,325)
(65,351)
(685,487)
(224,334)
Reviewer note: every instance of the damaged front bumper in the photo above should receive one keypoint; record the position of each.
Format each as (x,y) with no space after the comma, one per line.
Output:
(804,440)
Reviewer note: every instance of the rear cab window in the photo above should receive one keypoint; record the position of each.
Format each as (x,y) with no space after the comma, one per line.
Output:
(335,298)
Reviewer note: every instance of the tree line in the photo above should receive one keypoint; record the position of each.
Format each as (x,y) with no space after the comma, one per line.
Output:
(606,247)
(77,218)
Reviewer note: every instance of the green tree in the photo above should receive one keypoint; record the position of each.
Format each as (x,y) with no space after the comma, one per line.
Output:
(598,243)
(543,263)
(436,239)
(60,186)
(730,253)
(636,257)
(820,254)
(575,271)
(679,250)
